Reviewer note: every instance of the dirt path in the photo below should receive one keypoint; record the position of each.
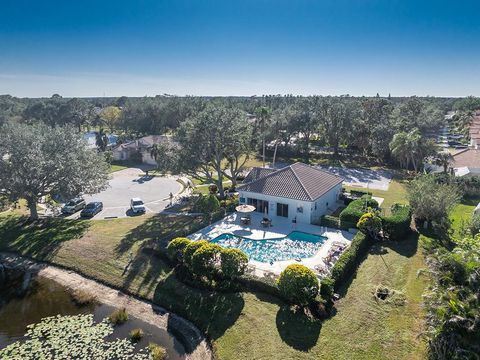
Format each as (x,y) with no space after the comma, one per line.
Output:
(194,342)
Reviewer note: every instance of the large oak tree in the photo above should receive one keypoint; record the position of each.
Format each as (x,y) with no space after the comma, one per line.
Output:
(39,160)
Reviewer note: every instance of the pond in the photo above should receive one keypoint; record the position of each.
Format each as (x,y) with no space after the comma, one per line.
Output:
(47,298)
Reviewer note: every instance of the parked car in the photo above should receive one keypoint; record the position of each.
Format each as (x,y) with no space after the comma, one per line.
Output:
(73,206)
(92,209)
(137,206)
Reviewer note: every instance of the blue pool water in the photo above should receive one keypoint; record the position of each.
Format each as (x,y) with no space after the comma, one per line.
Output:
(296,245)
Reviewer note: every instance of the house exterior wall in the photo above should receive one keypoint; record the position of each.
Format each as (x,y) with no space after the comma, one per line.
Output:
(147,158)
(324,203)
(293,205)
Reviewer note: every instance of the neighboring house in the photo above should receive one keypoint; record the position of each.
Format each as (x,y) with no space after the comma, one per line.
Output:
(474,130)
(298,192)
(142,146)
(466,162)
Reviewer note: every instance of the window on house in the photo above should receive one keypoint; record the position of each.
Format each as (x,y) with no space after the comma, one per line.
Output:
(300,209)
(282,210)
(242,200)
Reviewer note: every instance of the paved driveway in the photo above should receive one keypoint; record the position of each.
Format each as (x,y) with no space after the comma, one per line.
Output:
(359,177)
(129,183)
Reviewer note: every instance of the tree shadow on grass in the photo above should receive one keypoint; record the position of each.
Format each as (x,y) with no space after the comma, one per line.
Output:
(297,329)
(156,229)
(407,247)
(212,312)
(40,239)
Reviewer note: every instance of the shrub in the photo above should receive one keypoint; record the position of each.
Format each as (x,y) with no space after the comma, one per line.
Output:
(360,193)
(327,288)
(213,189)
(397,225)
(119,316)
(350,259)
(82,298)
(474,225)
(330,221)
(157,351)
(205,260)
(354,211)
(234,263)
(265,285)
(136,334)
(190,250)
(176,247)
(370,224)
(298,284)
(207,204)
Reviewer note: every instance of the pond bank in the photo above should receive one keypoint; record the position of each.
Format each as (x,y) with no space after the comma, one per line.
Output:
(183,330)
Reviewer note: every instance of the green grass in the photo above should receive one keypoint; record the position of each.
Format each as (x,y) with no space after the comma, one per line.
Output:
(240,325)
(116,167)
(461,215)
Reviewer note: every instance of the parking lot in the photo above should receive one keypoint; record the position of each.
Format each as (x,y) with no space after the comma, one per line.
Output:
(360,177)
(130,183)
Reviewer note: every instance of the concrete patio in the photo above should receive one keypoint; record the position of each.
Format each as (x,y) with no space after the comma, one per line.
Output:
(281,227)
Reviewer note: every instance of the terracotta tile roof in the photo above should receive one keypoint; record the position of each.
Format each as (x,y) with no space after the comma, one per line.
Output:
(467,158)
(297,181)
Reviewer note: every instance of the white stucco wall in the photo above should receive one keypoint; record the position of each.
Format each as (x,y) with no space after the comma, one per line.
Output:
(309,212)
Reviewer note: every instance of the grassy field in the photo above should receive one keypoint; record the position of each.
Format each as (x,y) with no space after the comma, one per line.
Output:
(240,325)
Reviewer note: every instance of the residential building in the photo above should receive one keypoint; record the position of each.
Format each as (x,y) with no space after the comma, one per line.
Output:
(298,192)
(140,148)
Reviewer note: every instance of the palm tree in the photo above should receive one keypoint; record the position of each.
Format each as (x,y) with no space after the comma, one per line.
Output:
(399,146)
(444,159)
(101,140)
(263,116)
(412,148)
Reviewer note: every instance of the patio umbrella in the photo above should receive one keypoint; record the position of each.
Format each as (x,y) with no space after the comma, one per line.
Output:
(245,208)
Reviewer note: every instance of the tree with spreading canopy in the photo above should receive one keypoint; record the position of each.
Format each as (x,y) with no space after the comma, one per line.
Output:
(39,160)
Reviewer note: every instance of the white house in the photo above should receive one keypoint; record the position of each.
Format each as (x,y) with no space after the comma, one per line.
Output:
(140,147)
(298,192)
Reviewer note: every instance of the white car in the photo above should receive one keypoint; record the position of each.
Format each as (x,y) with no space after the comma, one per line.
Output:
(137,206)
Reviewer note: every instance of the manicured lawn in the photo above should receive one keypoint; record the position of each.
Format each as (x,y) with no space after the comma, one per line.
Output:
(461,215)
(396,193)
(240,325)
(116,167)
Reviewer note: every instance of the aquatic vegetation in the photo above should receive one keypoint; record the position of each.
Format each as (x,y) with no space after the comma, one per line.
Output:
(136,334)
(77,337)
(119,316)
(82,298)
(157,352)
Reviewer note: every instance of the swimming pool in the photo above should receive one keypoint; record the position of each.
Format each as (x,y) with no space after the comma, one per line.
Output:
(296,245)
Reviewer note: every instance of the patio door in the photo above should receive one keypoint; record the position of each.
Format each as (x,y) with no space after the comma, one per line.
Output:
(262,206)
(282,210)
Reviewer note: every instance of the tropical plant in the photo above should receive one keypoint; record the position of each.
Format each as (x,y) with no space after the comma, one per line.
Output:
(101,140)
(370,224)
(298,284)
(444,159)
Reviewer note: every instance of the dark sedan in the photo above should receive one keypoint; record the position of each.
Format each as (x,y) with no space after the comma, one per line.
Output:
(91,209)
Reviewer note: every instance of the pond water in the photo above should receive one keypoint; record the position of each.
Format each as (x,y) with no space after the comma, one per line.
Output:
(48,298)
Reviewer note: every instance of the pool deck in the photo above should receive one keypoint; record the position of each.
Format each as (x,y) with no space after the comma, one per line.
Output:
(281,227)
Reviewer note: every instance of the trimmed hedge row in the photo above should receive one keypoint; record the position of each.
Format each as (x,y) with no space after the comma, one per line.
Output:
(350,259)
(360,192)
(330,221)
(397,226)
(264,285)
(354,211)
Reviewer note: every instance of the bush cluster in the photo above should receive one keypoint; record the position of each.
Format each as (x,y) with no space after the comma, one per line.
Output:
(350,259)
(354,211)
(207,260)
(397,226)
(298,284)
(330,221)
(207,204)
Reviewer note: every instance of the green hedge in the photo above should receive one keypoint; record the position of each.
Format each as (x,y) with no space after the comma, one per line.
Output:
(330,221)
(350,259)
(397,226)
(360,192)
(354,211)
(264,285)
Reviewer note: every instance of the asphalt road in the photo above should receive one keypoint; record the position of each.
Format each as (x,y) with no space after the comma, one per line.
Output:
(129,183)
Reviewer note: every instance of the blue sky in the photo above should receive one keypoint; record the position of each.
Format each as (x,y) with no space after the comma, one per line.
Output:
(149,47)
